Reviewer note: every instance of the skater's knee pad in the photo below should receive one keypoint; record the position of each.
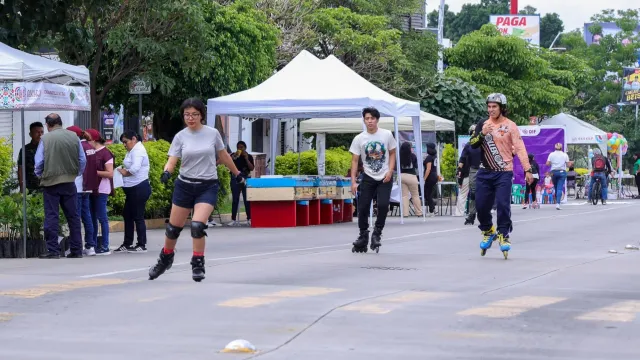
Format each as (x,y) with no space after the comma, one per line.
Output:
(172,232)
(197,229)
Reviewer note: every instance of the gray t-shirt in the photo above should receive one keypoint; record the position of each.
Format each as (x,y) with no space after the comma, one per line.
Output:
(198,152)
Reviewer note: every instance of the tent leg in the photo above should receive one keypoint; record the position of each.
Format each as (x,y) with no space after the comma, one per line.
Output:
(24,187)
(395,125)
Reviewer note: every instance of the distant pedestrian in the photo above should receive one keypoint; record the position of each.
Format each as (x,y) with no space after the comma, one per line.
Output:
(137,190)
(59,159)
(36,130)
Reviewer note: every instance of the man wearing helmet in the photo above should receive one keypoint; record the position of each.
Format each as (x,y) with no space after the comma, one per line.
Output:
(498,139)
(470,159)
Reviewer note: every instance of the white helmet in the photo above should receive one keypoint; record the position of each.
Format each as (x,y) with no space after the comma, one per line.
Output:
(497,98)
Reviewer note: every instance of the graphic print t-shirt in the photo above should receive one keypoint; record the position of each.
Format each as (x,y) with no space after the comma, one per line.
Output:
(374,149)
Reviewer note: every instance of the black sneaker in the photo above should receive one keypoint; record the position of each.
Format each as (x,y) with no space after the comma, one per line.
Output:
(74,256)
(50,255)
(165,261)
(137,249)
(197,268)
(122,249)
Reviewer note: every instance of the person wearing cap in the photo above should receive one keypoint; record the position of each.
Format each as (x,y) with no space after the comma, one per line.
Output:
(102,180)
(85,187)
(59,159)
(558,160)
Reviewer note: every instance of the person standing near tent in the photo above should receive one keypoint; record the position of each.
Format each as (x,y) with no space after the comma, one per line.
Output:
(59,159)
(558,160)
(33,183)
(377,148)
(472,157)
(197,146)
(497,137)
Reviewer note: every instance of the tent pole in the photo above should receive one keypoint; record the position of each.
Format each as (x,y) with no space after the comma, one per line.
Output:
(24,187)
(395,126)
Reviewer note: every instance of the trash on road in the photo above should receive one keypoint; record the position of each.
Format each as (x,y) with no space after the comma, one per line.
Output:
(613,251)
(632,247)
(239,346)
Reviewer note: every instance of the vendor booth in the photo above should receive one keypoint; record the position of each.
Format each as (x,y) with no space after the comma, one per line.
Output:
(308,88)
(33,83)
(579,132)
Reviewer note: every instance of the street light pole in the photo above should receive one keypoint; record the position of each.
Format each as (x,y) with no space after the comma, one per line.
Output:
(514,7)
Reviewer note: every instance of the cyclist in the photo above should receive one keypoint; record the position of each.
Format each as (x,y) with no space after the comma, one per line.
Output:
(601,167)
(499,138)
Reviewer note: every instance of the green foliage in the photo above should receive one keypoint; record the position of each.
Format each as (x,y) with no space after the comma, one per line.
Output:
(534,81)
(337,162)
(6,161)
(159,204)
(454,99)
(449,163)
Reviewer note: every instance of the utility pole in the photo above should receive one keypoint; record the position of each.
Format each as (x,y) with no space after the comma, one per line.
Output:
(440,36)
(514,7)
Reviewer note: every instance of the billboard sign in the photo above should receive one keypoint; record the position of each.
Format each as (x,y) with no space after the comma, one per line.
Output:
(631,86)
(526,27)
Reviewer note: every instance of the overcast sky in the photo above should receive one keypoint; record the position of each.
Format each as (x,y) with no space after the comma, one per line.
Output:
(574,13)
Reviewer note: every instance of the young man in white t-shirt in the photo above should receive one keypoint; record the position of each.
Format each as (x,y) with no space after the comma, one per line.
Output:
(377,147)
(558,160)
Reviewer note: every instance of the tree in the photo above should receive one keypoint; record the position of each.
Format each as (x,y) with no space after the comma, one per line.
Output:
(454,99)
(117,39)
(550,26)
(25,23)
(470,18)
(532,83)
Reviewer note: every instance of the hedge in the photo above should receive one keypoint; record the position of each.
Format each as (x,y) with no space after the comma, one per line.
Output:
(159,204)
(337,162)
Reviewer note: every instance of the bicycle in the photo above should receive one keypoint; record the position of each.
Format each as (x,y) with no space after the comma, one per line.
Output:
(596,191)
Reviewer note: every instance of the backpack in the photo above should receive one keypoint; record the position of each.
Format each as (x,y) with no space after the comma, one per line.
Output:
(599,163)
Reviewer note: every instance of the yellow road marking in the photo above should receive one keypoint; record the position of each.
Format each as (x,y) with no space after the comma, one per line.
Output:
(621,312)
(252,301)
(385,305)
(46,289)
(4,317)
(512,307)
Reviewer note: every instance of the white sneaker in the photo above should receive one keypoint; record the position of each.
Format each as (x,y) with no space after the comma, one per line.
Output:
(212,223)
(249,222)
(558,207)
(104,253)
(233,223)
(89,252)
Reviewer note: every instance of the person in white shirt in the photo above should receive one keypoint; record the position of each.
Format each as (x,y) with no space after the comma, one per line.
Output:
(377,147)
(137,190)
(558,161)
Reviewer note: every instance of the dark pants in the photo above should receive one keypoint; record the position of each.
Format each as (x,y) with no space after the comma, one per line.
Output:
(429,184)
(638,183)
(368,188)
(55,197)
(236,189)
(531,189)
(134,206)
(494,186)
(84,212)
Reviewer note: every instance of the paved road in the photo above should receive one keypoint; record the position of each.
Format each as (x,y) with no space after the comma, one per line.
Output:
(301,294)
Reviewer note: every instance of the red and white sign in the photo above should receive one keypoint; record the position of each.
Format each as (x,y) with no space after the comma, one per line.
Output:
(526,27)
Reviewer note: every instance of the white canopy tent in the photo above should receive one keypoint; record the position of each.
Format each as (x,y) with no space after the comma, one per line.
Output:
(309,87)
(31,82)
(578,132)
(428,122)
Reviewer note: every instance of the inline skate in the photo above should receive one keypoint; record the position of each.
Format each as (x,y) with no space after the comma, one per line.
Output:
(375,239)
(505,245)
(488,237)
(360,245)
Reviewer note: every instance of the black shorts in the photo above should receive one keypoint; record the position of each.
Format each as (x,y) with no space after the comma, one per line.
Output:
(187,194)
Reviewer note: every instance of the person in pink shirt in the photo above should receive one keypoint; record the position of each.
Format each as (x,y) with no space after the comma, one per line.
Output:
(103,180)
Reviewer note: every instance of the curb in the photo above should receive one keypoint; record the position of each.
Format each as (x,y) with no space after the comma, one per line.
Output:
(118,226)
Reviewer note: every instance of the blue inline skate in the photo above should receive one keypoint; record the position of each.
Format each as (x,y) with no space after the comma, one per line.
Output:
(488,237)
(505,244)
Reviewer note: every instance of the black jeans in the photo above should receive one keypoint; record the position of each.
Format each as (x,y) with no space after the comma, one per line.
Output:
(531,189)
(236,189)
(368,189)
(429,184)
(134,206)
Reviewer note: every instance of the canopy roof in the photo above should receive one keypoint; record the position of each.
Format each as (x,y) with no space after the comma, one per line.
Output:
(309,87)
(18,66)
(428,122)
(577,131)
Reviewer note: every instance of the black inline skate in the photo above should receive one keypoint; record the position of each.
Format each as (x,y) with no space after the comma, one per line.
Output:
(375,239)
(165,261)
(360,245)
(197,268)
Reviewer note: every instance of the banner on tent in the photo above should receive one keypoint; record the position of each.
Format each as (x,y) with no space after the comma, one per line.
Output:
(43,96)
(427,137)
(540,142)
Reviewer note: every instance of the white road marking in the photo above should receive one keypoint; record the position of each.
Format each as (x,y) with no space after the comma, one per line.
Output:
(240,257)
